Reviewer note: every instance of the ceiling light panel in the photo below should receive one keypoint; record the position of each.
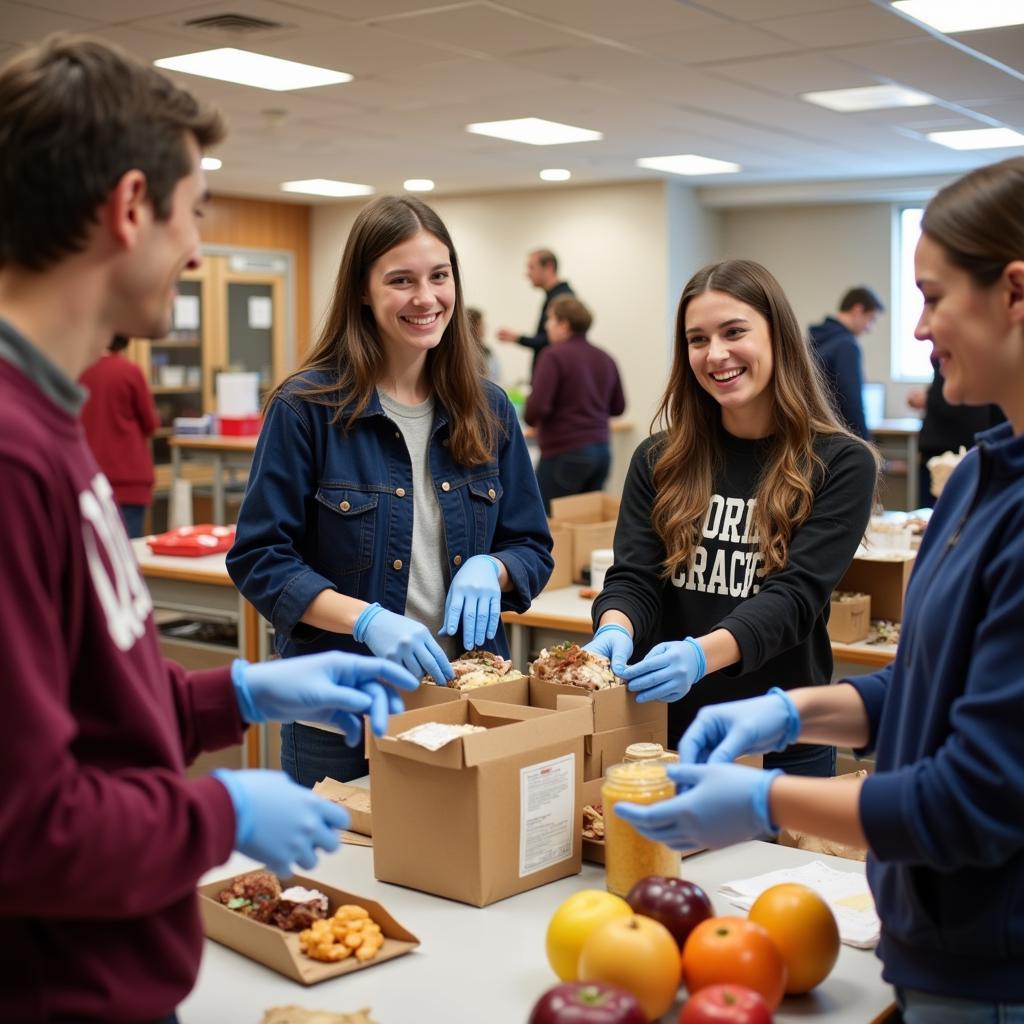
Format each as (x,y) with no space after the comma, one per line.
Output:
(326,187)
(869,97)
(978,138)
(243,67)
(688,163)
(534,131)
(961,15)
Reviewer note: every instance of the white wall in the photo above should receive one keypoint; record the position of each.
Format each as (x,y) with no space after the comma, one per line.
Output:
(819,251)
(612,244)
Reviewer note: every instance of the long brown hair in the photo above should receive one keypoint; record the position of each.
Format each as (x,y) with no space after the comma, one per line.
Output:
(350,350)
(687,457)
(979,220)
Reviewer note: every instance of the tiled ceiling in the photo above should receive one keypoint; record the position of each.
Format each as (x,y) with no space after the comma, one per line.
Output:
(720,78)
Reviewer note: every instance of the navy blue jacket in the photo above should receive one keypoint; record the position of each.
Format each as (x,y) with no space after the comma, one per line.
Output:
(328,510)
(840,359)
(539,341)
(944,812)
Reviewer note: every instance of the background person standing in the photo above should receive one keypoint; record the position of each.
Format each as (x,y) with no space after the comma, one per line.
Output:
(119,418)
(542,271)
(576,388)
(834,342)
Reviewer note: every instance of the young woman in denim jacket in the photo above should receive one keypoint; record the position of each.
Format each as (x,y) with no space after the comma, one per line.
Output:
(391,494)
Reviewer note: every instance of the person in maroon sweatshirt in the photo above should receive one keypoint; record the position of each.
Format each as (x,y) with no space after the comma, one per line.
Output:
(118,418)
(103,838)
(576,388)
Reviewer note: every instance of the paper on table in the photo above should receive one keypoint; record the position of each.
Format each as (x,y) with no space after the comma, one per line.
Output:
(846,892)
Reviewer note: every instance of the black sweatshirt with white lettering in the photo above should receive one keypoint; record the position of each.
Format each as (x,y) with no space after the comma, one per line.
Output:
(778,620)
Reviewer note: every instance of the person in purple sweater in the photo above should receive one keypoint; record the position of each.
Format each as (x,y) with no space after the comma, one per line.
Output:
(576,388)
(103,836)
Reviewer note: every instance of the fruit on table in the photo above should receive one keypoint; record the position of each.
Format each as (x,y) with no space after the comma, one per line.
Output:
(679,905)
(637,954)
(734,950)
(587,1002)
(803,927)
(573,922)
(726,1004)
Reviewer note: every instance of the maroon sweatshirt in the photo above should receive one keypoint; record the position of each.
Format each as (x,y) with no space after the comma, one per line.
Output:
(118,418)
(102,838)
(576,388)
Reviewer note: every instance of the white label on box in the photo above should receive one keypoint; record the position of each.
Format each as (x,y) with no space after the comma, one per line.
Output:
(547,813)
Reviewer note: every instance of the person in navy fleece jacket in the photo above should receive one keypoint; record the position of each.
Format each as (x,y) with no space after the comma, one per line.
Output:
(943,813)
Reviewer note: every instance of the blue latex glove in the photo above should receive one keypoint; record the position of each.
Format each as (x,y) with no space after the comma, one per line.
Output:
(475,597)
(332,687)
(404,641)
(668,671)
(613,642)
(279,822)
(723,732)
(718,805)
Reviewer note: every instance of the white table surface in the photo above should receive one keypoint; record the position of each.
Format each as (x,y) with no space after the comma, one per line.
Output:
(488,964)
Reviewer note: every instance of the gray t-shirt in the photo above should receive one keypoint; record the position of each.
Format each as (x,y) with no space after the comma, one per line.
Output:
(428,578)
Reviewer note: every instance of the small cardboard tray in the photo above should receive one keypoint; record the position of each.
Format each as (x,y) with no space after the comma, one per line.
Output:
(279,950)
(355,800)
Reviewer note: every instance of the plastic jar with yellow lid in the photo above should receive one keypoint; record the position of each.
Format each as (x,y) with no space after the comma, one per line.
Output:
(648,752)
(629,856)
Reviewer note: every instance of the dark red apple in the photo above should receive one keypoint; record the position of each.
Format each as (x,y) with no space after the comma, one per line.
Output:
(726,1004)
(587,1002)
(679,905)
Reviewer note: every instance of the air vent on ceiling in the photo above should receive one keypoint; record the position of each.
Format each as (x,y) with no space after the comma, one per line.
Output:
(239,23)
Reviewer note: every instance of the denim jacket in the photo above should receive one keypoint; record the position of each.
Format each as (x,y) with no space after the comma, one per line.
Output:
(329,510)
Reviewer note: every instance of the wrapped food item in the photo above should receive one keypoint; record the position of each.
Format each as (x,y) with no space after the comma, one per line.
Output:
(478,668)
(568,664)
(940,467)
(254,895)
(299,907)
(593,822)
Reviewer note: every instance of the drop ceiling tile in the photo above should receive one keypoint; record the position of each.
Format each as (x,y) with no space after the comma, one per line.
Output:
(755,10)
(1005,45)
(793,75)
(480,28)
(617,19)
(705,45)
(21,24)
(848,26)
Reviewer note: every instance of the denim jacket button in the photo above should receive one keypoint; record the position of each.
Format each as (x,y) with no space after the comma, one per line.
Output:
(344,506)
(457,560)
(446,486)
(400,491)
(491,493)
(396,564)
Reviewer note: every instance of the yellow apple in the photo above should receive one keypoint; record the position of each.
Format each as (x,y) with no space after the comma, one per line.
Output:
(573,922)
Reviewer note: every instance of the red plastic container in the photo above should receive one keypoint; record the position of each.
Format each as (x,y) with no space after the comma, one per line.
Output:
(240,426)
(193,541)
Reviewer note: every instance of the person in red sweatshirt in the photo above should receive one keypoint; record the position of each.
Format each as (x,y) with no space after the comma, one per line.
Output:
(103,837)
(118,418)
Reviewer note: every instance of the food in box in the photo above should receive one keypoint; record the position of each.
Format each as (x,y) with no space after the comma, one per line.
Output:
(849,617)
(568,664)
(282,951)
(478,668)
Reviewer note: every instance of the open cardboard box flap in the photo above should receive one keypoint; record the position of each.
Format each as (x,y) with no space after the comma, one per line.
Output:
(612,708)
(505,724)
(355,800)
(279,950)
(515,689)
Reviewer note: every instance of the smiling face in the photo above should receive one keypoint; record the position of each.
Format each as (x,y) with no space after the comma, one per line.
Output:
(147,277)
(411,292)
(730,351)
(970,330)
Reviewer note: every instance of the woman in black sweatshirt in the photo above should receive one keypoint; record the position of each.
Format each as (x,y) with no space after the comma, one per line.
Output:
(738,517)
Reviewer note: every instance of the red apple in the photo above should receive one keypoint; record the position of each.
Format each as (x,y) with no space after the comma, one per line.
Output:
(587,1002)
(726,1004)
(679,905)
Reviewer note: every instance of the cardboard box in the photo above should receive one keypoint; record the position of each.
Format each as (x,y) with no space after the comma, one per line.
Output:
(561,575)
(279,950)
(593,849)
(488,815)
(591,519)
(612,708)
(356,800)
(883,577)
(849,620)
(513,690)
(604,748)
